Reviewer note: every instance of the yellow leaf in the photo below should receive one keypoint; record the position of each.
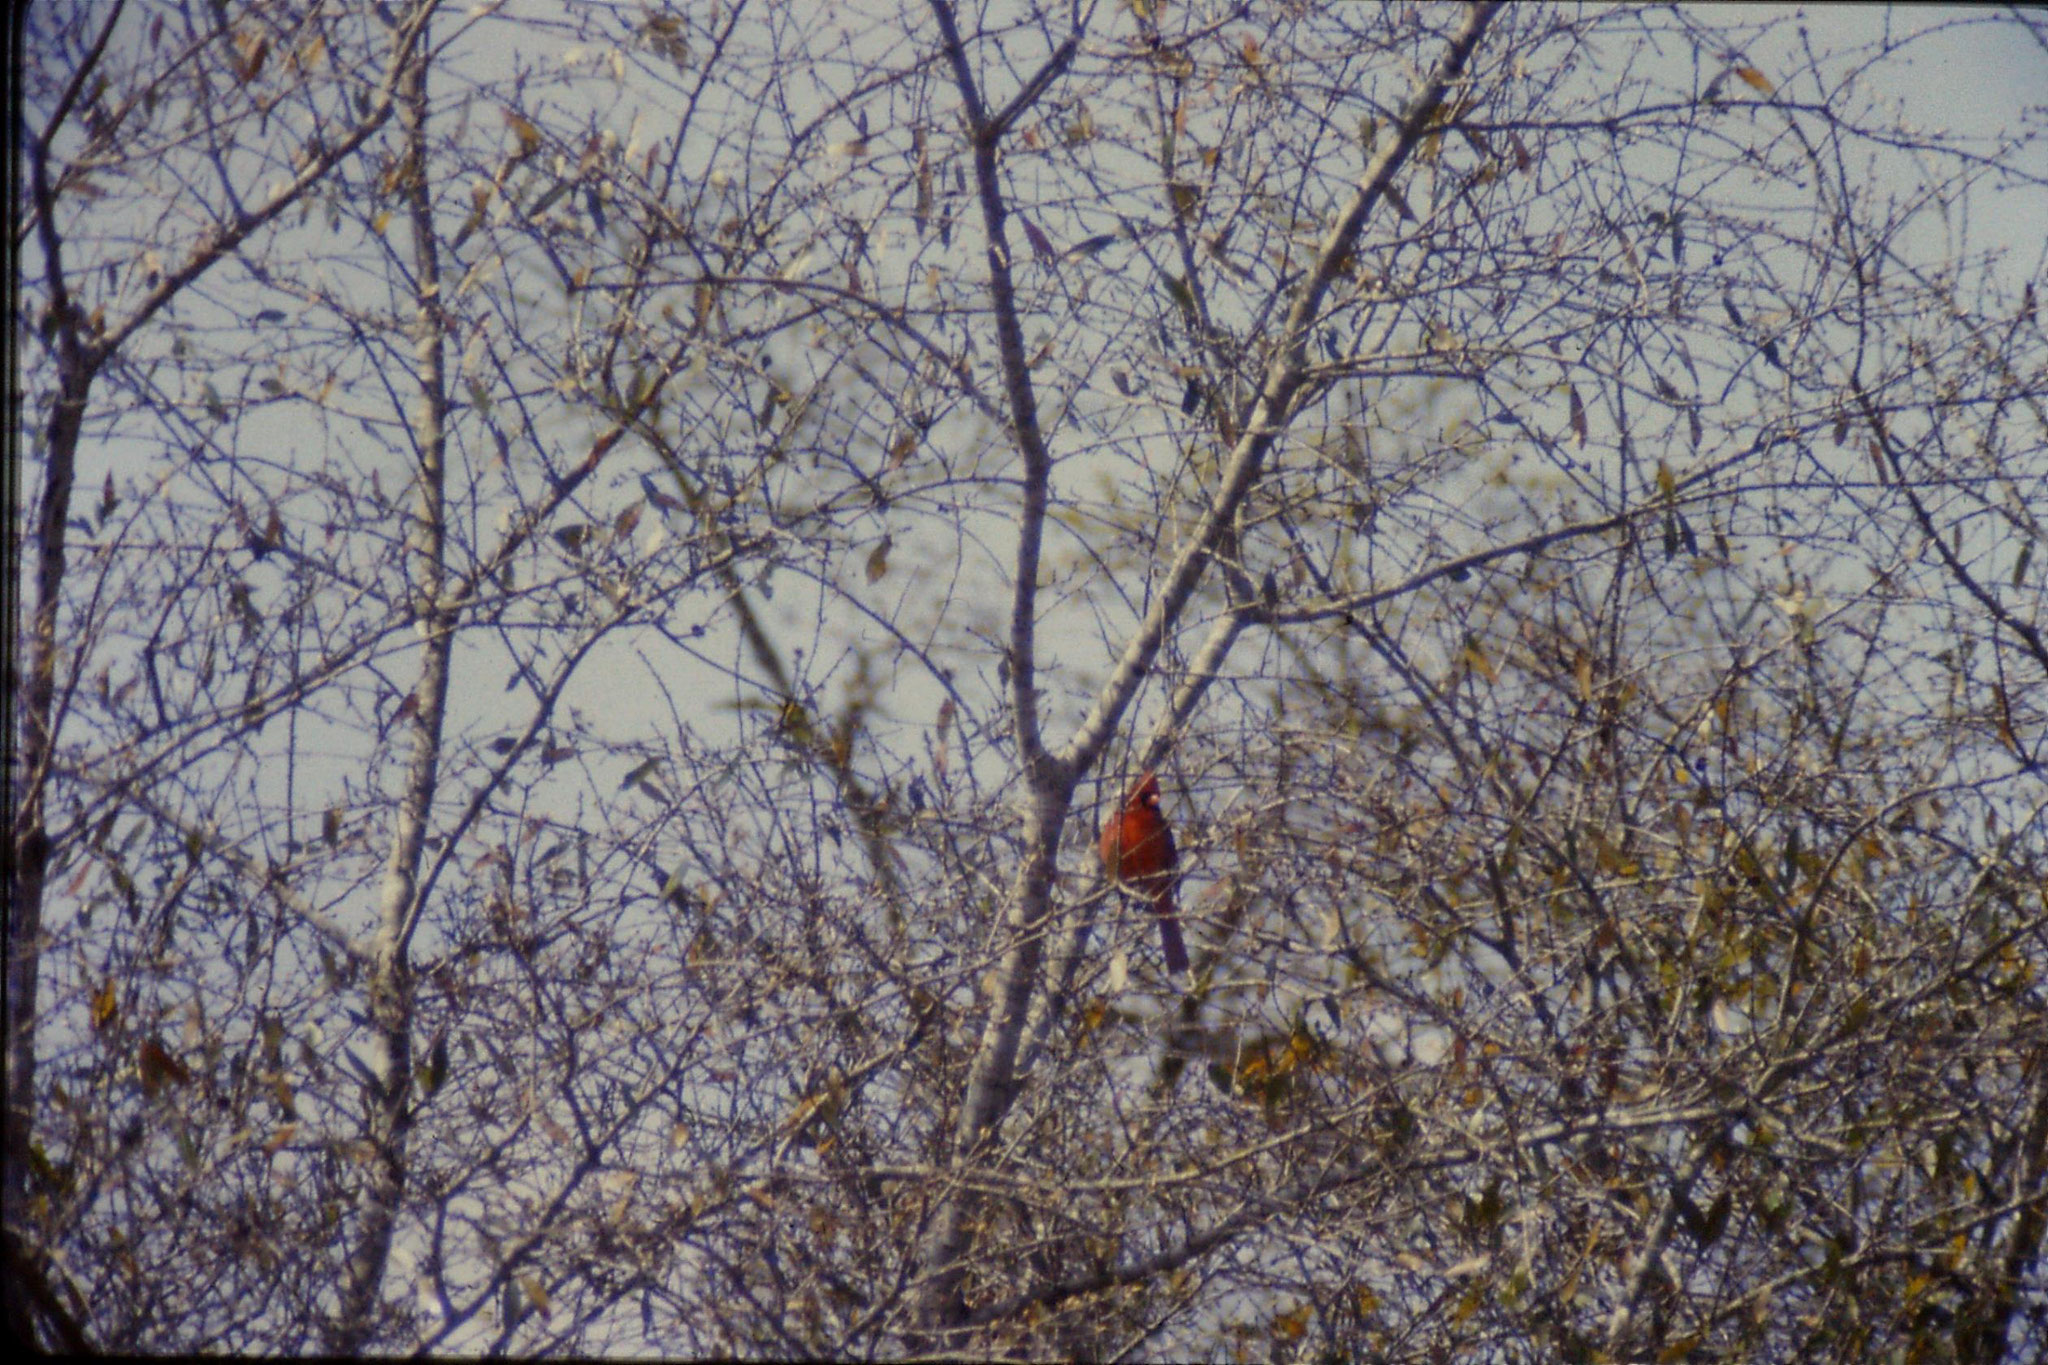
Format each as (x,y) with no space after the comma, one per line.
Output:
(106,1005)
(381,221)
(1756,80)
(528,135)
(251,49)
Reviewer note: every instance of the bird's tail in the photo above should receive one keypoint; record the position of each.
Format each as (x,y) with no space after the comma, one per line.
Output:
(1170,942)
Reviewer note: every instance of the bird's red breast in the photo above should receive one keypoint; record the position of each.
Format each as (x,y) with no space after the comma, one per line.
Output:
(1137,847)
(1138,853)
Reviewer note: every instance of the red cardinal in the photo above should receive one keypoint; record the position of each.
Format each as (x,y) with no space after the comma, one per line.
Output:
(1138,855)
